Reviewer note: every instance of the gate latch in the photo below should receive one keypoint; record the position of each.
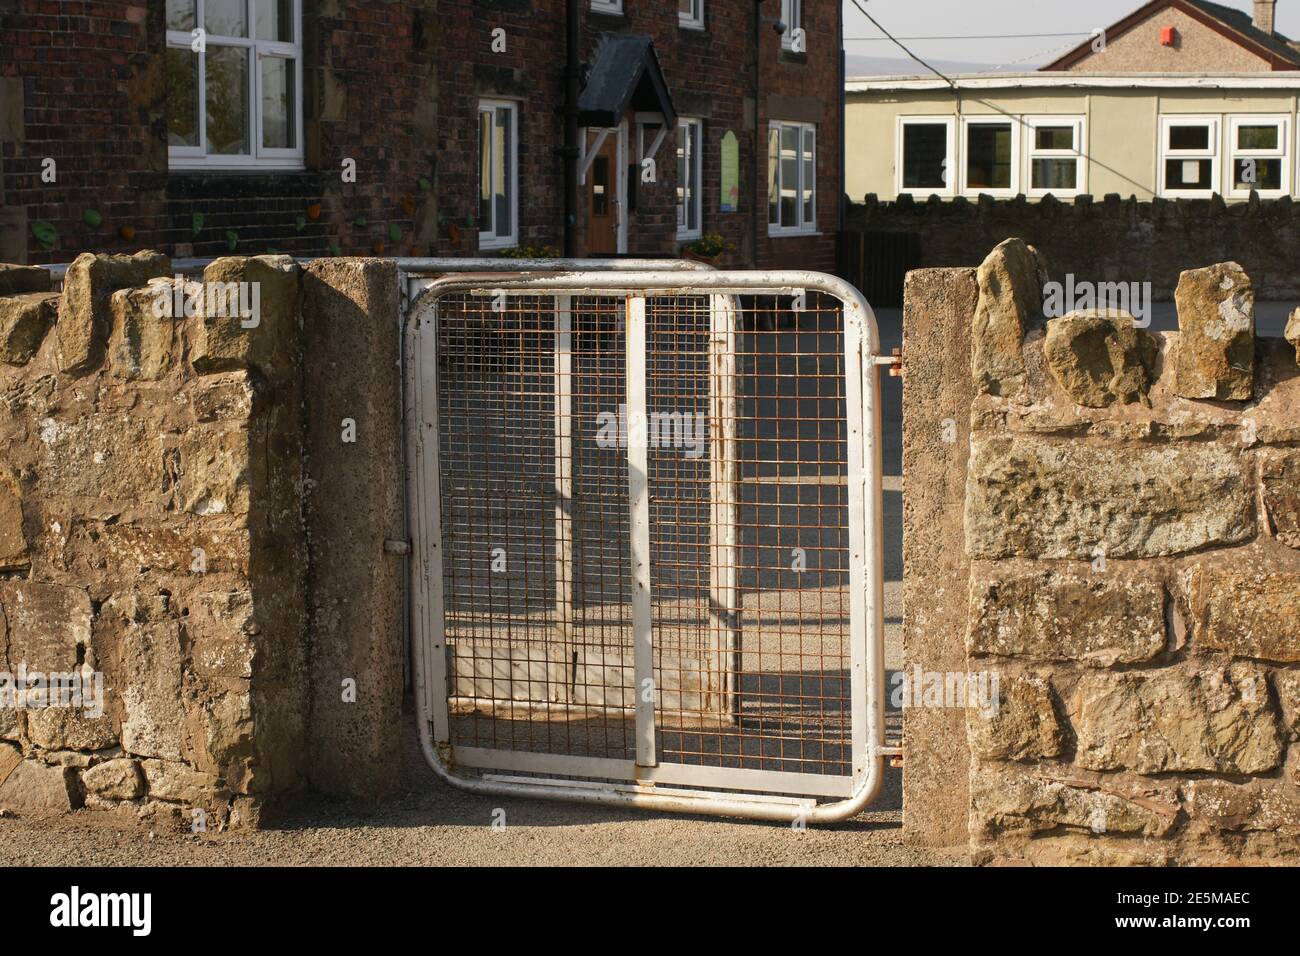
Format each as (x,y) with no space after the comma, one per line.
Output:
(893,361)
(393,546)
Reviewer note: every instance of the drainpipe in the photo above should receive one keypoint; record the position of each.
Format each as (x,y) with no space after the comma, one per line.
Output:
(571,82)
(758,137)
(842,130)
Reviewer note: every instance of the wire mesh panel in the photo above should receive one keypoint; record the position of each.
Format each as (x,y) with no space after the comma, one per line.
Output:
(646,538)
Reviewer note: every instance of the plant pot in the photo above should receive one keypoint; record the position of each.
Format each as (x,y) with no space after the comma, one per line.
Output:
(711,260)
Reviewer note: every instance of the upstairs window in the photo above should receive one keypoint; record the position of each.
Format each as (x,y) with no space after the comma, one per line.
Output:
(925,151)
(1189,156)
(234,83)
(498,163)
(690,14)
(791,178)
(607,6)
(1055,148)
(794,37)
(1259,161)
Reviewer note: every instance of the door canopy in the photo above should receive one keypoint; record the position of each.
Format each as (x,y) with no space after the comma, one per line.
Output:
(625,73)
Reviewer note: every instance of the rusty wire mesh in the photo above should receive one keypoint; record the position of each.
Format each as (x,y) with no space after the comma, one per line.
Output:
(747,463)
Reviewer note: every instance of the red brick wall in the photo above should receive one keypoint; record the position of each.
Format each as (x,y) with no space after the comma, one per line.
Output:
(394,86)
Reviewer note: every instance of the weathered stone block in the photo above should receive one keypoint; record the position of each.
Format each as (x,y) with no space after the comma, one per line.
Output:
(1099,619)
(36,787)
(226,340)
(1034,497)
(1292,332)
(13,540)
(1010,295)
(214,470)
(1005,801)
(1247,612)
(1216,344)
(24,320)
(228,733)
(142,342)
(105,455)
(1177,721)
(22,280)
(82,329)
(177,782)
(1255,806)
(155,713)
(1280,475)
(221,631)
(1100,358)
(118,779)
(125,550)
(49,625)
(63,728)
(1022,726)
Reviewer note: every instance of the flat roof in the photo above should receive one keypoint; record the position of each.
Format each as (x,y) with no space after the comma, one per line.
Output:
(1262,80)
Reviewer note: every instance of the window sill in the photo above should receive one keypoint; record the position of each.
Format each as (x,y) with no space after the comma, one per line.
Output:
(793,233)
(691,26)
(495,245)
(690,236)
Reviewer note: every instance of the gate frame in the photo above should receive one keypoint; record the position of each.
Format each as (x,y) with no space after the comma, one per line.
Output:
(866,531)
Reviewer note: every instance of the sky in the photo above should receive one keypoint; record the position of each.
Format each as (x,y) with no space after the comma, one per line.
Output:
(969,21)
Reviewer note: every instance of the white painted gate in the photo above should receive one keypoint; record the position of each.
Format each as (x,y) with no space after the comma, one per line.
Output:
(646,529)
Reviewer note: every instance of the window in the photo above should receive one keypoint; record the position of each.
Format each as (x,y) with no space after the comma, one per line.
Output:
(234,83)
(1055,155)
(690,13)
(498,178)
(792,17)
(991,156)
(690,138)
(925,149)
(607,6)
(1189,156)
(791,178)
(1258,146)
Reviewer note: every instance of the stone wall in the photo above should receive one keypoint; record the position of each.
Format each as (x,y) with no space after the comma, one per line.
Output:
(1107,240)
(1132,526)
(153,529)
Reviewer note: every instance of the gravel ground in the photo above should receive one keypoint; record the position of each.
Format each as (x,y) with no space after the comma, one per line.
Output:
(432,824)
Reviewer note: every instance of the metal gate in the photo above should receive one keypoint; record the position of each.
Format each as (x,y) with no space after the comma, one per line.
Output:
(647,539)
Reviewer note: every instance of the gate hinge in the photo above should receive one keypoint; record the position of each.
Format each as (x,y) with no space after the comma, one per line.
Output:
(395,546)
(895,755)
(893,361)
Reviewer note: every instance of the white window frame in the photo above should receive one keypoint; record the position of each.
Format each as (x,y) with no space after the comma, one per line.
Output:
(803,227)
(490,239)
(950,122)
(792,17)
(693,20)
(1214,153)
(259,157)
(612,7)
(1283,123)
(696,165)
(991,119)
(1078,154)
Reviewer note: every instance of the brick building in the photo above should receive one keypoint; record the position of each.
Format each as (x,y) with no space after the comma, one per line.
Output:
(419,127)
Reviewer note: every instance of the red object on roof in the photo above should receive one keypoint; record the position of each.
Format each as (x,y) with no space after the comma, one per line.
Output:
(1166,36)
